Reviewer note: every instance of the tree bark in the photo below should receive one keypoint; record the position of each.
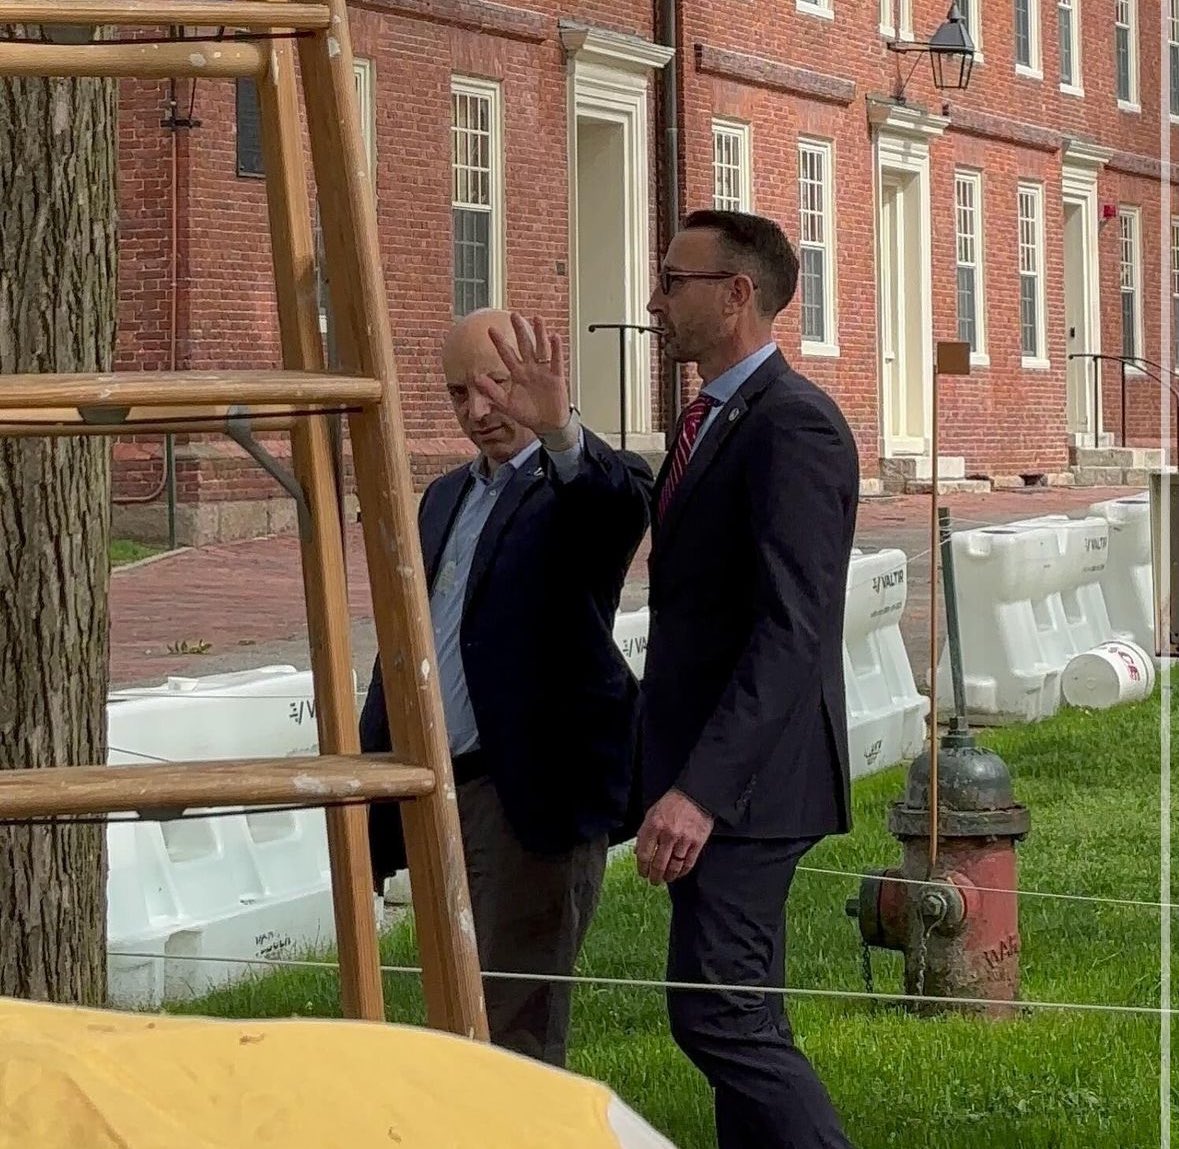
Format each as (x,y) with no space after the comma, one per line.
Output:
(58,279)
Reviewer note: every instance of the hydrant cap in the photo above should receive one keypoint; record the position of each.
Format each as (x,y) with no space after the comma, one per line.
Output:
(970,778)
(975,795)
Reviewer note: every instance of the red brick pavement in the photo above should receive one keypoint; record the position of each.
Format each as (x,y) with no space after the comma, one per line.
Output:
(240,597)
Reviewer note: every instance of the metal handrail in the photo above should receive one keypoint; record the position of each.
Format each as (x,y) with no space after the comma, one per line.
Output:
(1123,361)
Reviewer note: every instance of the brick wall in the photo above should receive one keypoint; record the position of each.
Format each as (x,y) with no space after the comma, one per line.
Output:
(794,74)
(784,82)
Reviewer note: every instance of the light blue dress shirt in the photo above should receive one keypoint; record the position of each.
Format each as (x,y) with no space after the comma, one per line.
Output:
(450,583)
(725,385)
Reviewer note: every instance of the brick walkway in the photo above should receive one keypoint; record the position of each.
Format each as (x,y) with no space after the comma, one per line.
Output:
(245,600)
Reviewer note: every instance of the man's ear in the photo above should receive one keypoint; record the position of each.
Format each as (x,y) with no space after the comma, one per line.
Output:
(740,291)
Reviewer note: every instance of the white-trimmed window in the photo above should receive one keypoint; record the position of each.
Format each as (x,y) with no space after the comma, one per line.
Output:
(1068,18)
(1126,53)
(822,8)
(1027,38)
(732,175)
(971,13)
(1032,330)
(1175,290)
(892,11)
(477,198)
(969,246)
(1130,279)
(816,243)
(362,73)
(1173,57)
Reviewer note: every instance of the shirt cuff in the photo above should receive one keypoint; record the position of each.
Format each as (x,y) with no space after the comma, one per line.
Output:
(565,446)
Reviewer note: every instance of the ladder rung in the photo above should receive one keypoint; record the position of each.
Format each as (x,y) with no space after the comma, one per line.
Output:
(172,389)
(205,58)
(174,786)
(53,422)
(152,13)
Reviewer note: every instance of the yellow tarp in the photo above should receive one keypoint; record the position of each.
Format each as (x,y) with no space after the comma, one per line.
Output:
(97,1079)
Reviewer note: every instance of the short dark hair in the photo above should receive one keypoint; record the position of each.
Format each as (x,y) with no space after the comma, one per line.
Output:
(759,248)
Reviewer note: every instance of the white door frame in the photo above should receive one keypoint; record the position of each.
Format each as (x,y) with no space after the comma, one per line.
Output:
(1080,164)
(609,80)
(901,143)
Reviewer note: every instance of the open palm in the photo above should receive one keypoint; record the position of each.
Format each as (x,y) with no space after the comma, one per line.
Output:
(537,396)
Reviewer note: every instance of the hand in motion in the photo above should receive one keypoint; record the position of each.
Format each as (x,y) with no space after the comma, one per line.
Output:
(537,395)
(671,838)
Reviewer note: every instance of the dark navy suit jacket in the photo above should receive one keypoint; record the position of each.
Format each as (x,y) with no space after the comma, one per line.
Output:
(743,690)
(554,700)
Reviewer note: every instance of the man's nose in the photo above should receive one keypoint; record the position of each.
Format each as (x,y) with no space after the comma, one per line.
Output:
(477,403)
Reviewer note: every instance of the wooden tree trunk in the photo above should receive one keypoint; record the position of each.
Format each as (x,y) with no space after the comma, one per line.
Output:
(57,313)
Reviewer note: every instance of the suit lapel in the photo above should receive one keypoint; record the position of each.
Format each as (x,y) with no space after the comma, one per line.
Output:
(727,419)
(507,503)
(439,519)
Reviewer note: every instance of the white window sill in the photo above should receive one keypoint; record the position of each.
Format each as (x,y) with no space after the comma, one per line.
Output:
(1028,72)
(1129,106)
(1034,363)
(808,9)
(1073,90)
(1174,120)
(979,359)
(820,350)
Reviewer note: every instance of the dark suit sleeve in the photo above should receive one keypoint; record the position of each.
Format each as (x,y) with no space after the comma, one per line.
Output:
(802,489)
(608,501)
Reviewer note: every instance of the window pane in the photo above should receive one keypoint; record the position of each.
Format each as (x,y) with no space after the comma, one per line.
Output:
(1023,33)
(1028,303)
(1065,14)
(966,316)
(472,260)
(1122,60)
(814,281)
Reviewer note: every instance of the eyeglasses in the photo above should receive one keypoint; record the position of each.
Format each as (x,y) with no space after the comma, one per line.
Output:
(667,278)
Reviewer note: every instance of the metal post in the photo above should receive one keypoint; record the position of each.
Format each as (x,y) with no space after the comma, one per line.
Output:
(622,329)
(958,724)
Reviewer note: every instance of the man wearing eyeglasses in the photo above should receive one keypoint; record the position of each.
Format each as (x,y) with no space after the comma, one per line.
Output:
(744,733)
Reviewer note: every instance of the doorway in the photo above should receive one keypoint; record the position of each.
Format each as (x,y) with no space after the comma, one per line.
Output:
(600,291)
(1078,312)
(900,288)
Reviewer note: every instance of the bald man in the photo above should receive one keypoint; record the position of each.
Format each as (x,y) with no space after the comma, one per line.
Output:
(526,550)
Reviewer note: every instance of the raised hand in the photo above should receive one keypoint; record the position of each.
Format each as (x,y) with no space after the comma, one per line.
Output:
(538,394)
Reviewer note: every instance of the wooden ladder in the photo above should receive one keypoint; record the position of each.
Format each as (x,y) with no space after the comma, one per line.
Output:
(300,398)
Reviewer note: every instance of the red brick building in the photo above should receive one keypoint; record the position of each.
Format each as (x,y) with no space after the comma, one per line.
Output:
(535,158)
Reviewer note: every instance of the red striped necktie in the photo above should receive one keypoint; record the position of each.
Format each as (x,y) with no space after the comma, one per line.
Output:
(694,416)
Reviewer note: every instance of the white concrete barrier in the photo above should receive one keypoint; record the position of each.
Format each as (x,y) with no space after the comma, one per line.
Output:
(886,714)
(243,885)
(1029,599)
(1128,580)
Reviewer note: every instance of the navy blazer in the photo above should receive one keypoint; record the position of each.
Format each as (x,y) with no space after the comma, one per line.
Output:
(554,700)
(744,704)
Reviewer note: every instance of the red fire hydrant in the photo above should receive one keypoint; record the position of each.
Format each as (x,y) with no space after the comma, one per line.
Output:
(958,926)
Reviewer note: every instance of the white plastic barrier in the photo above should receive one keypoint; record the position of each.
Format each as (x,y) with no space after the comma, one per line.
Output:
(1109,674)
(244,885)
(1029,599)
(885,713)
(1128,580)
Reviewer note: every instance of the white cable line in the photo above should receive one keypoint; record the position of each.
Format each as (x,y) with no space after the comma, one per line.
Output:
(712,987)
(998,890)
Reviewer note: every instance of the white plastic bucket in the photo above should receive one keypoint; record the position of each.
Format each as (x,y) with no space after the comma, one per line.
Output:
(1109,674)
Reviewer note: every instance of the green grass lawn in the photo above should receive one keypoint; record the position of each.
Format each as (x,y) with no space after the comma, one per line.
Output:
(124,551)
(1049,1080)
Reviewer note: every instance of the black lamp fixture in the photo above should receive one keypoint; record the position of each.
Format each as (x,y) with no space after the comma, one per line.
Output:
(951,53)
